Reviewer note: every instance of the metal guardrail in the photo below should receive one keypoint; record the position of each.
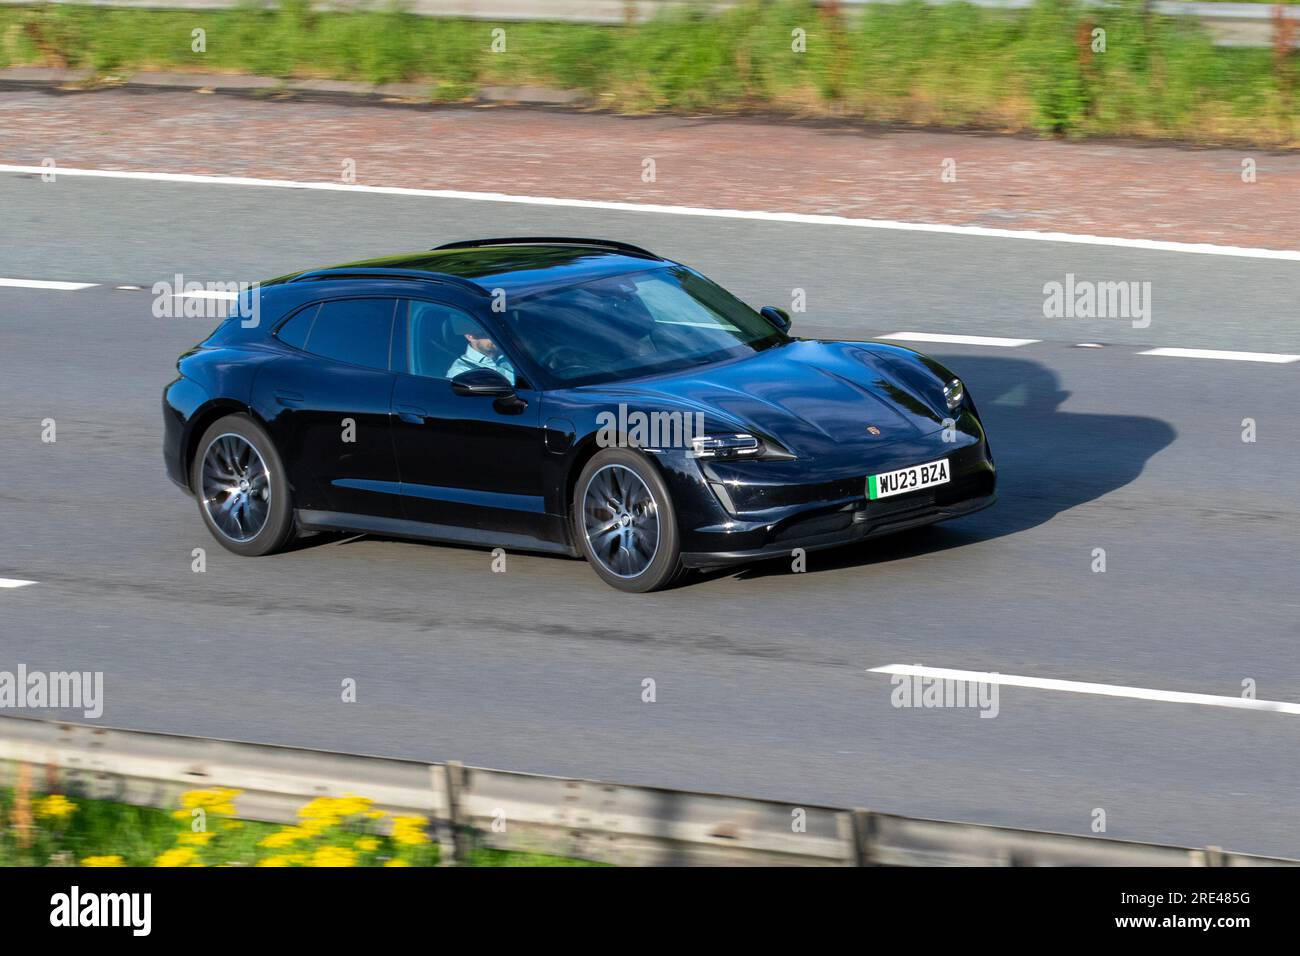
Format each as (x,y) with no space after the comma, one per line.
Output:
(582,819)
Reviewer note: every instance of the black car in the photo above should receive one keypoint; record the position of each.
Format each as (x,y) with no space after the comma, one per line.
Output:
(574,396)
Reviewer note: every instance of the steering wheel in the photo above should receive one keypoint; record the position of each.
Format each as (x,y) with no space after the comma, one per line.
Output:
(565,358)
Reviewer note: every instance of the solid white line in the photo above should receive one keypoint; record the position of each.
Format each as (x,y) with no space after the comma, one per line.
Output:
(14,583)
(1277,357)
(45,284)
(1083,687)
(959,339)
(1152,245)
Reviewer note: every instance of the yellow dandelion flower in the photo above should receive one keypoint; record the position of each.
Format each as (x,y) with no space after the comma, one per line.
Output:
(376,815)
(331,810)
(334,856)
(283,838)
(366,844)
(196,839)
(317,826)
(397,863)
(55,807)
(216,799)
(103,861)
(274,861)
(352,805)
(319,807)
(409,831)
(178,856)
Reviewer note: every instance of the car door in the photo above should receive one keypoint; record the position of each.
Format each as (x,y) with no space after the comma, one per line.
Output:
(466,461)
(328,402)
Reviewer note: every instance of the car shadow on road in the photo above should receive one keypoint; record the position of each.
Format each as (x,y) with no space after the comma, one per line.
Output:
(1048,461)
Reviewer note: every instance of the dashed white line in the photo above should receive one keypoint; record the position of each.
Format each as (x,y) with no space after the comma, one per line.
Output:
(1152,245)
(959,339)
(1083,687)
(45,284)
(1275,357)
(14,583)
(208,294)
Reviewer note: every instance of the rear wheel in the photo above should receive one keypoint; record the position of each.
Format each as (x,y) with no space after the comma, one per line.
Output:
(625,523)
(241,488)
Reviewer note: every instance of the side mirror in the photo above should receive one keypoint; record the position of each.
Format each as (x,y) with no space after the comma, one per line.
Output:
(778,317)
(483,382)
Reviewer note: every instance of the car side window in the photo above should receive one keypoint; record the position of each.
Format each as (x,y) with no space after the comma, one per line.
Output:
(444,342)
(356,331)
(295,331)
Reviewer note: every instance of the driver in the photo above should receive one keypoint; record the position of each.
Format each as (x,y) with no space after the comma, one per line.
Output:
(480,352)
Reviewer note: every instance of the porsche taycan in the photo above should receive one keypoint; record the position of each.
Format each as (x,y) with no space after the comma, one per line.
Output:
(573,396)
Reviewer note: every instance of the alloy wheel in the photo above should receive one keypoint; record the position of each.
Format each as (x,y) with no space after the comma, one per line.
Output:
(236,487)
(621,521)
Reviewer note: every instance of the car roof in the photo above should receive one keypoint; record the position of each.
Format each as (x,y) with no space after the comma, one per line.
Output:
(517,266)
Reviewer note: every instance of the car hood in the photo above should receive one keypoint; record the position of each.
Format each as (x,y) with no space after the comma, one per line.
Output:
(811,396)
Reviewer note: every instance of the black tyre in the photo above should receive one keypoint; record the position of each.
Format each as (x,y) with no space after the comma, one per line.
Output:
(240,485)
(625,523)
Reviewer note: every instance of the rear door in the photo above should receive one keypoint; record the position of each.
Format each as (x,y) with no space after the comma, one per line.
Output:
(327,403)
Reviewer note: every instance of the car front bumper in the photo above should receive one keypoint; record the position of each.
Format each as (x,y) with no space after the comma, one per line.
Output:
(850,527)
(717,530)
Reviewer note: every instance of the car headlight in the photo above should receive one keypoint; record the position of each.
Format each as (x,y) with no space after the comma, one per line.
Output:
(726,446)
(737,446)
(953,393)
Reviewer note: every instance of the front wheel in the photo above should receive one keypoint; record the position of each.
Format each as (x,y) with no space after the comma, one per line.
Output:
(625,523)
(241,487)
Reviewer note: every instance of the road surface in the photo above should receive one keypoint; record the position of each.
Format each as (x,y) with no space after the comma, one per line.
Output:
(762,675)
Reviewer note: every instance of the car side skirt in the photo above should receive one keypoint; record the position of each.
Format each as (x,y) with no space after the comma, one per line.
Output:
(312,520)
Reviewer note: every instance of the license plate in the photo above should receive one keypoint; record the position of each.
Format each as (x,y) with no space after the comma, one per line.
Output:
(908,479)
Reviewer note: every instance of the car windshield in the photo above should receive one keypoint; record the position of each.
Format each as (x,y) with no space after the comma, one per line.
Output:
(635,324)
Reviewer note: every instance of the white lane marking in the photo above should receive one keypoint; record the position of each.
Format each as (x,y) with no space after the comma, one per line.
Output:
(958,339)
(208,294)
(1083,687)
(14,583)
(1152,245)
(1276,357)
(45,284)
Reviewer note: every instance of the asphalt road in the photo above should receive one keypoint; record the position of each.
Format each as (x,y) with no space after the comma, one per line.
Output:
(761,674)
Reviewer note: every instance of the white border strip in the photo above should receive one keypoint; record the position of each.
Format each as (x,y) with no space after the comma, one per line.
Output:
(959,339)
(1151,245)
(45,284)
(14,583)
(1081,687)
(1276,357)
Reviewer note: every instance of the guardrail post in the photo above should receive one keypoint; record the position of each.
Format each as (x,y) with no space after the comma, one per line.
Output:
(455,842)
(864,837)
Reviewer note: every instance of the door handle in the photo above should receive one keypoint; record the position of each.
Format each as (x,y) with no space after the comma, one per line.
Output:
(288,399)
(411,413)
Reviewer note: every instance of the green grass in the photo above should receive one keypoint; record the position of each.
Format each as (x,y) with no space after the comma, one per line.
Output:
(140,836)
(953,65)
